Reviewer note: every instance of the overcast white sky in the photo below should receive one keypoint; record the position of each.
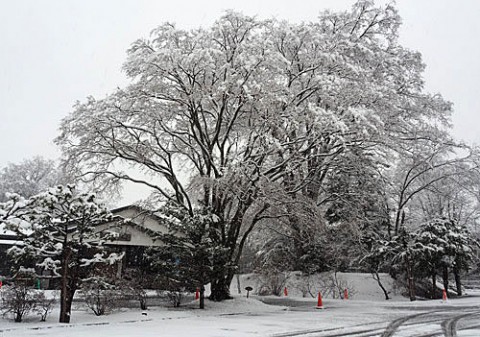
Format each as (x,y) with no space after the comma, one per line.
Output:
(56,52)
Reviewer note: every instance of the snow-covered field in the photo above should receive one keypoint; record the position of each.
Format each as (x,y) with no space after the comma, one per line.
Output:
(250,317)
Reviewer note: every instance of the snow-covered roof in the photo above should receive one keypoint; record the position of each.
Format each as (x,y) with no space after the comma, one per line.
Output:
(4,231)
(138,228)
(11,242)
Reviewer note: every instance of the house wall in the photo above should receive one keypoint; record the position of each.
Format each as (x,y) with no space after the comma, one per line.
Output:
(136,229)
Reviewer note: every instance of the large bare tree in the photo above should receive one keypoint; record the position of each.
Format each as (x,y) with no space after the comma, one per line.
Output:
(233,116)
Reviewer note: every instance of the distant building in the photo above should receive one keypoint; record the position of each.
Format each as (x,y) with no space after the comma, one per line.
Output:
(7,240)
(137,230)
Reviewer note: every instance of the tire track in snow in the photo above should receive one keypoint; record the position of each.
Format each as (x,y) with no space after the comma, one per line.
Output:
(449,326)
(394,325)
(334,332)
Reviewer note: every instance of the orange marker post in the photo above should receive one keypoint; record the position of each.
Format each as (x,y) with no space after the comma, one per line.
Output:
(319,302)
(345,294)
(197,294)
(444,295)
(285,291)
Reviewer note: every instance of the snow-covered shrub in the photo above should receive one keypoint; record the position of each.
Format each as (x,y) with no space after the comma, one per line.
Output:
(43,304)
(331,285)
(307,286)
(100,296)
(176,298)
(135,281)
(140,295)
(273,283)
(17,300)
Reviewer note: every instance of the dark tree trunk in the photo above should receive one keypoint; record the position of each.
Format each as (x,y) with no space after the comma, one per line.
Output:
(445,278)
(202,297)
(18,317)
(458,281)
(143,303)
(377,278)
(239,288)
(410,280)
(220,288)
(66,303)
(66,292)
(434,283)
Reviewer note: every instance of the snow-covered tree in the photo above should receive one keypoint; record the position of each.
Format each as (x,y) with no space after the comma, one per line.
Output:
(230,117)
(418,179)
(447,246)
(192,255)
(403,251)
(376,257)
(57,229)
(30,177)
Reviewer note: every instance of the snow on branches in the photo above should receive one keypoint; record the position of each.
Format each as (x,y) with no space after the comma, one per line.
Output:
(221,116)
(57,229)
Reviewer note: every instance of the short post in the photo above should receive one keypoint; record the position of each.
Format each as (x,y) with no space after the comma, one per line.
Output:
(345,294)
(319,302)
(248,289)
(197,294)
(285,291)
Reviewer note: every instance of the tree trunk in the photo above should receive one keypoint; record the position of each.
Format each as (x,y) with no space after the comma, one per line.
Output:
(202,297)
(239,287)
(445,278)
(220,288)
(18,317)
(143,302)
(458,281)
(66,296)
(377,278)
(66,303)
(434,283)
(410,280)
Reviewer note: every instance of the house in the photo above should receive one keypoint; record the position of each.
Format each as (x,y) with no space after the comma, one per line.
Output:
(7,240)
(136,228)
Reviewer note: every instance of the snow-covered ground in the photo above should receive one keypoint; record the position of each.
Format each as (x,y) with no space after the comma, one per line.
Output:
(360,286)
(250,317)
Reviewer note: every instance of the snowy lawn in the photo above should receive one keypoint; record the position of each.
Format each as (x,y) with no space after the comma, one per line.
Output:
(238,317)
(248,317)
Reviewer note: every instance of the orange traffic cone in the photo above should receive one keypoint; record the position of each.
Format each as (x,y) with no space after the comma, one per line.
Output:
(320,302)
(285,291)
(345,294)
(444,295)
(197,294)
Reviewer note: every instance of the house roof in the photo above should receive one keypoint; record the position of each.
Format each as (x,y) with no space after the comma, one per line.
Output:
(135,217)
(142,225)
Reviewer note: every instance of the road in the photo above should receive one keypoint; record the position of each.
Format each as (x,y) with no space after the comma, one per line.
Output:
(427,320)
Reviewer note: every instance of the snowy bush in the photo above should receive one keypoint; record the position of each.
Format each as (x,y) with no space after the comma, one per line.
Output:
(134,283)
(17,300)
(100,296)
(176,298)
(329,284)
(43,304)
(141,296)
(307,286)
(273,283)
